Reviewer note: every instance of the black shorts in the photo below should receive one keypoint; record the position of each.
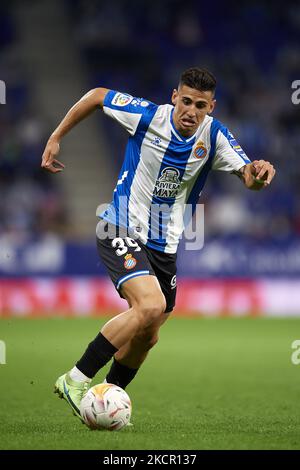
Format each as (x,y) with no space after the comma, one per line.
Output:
(126,258)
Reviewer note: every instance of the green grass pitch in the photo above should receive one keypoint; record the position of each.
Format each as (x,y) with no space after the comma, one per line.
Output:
(208,384)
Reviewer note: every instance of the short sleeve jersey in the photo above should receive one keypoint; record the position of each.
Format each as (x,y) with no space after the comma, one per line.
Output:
(163,173)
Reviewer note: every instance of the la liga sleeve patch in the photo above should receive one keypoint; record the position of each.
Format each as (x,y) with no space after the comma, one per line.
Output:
(121,99)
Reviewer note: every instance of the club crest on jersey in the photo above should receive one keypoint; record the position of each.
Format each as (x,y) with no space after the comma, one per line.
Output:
(200,151)
(129,262)
(168,184)
(121,99)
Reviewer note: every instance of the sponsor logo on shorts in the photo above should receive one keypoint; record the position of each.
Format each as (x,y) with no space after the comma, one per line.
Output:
(130,261)
(200,151)
(173,282)
(121,99)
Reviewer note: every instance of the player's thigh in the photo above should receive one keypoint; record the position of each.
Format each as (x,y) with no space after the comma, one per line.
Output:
(164,267)
(127,263)
(144,292)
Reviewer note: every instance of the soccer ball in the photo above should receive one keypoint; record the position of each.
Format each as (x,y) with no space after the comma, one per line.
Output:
(106,406)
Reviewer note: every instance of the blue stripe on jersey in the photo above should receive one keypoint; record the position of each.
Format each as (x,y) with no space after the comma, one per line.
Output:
(200,181)
(117,212)
(170,174)
(108,99)
(233,143)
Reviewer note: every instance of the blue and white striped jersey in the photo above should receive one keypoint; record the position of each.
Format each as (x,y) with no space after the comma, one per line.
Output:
(163,171)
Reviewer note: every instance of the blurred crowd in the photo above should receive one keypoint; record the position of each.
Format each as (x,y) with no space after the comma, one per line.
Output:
(30,201)
(141,48)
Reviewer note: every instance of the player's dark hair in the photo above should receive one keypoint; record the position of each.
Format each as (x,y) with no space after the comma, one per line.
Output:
(200,79)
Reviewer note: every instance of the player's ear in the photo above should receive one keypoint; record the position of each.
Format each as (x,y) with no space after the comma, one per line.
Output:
(212,106)
(174,97)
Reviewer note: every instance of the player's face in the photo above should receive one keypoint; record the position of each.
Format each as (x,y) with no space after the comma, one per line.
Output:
(191,107)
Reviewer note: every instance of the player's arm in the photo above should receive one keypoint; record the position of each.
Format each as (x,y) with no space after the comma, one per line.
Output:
(84,107)
(231,157)
(257,174)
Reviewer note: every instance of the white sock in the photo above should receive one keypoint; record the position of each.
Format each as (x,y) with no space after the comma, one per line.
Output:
(78,376)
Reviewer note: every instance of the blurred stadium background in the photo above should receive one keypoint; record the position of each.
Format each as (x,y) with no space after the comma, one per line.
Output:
(51,53)
(238,373)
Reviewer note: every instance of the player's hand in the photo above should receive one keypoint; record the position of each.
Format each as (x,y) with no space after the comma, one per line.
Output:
(264,171)
(258,174)
(49,160)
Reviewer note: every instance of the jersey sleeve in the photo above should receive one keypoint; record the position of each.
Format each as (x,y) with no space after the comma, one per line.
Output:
(127,110)
(229,155)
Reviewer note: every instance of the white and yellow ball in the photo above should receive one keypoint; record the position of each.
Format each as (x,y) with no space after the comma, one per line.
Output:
(106,406)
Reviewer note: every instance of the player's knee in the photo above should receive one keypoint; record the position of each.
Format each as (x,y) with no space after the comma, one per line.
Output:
(150,308)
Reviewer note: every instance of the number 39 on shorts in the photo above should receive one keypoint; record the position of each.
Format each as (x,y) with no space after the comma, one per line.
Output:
(122,245)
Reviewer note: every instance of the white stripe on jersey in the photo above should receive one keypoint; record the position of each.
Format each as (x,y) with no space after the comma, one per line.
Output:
(147,172)
(123,118)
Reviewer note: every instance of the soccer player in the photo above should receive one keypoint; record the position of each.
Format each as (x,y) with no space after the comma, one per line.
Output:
(171,150)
